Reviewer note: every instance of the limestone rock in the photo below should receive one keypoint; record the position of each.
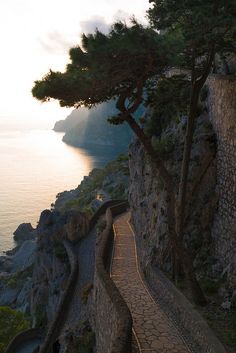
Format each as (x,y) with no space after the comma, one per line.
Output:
(233,299)
(8,296)
(226,305)
(24,257)
(23,297)
(147,196)
(76,225)
(25,231)
(55,225)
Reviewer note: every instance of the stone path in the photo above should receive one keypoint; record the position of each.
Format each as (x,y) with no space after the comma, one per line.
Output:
(29,347)
(153,330)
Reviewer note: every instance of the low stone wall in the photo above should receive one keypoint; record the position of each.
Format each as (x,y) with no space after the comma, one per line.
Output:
(101,211)
(60,316)
(183,312)
(122,319)
(113,319)
(21,338)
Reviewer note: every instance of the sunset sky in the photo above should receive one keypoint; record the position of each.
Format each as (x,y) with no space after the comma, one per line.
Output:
(36,35)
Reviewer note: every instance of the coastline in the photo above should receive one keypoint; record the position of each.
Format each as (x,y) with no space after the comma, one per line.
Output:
(36,166)
(69,214)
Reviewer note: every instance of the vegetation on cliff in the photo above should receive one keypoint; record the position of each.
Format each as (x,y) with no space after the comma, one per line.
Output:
(132,60)
(110,182)
(11,323)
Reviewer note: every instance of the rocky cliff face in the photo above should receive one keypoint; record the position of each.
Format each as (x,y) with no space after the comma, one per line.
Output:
(211,230)
(148,198)
(51,266)
(16,269)
(89,129)
(76,116)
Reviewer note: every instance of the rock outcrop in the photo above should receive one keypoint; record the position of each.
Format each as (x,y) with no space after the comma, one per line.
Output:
(96,135)
(16,276)
(24,231)
(90,130)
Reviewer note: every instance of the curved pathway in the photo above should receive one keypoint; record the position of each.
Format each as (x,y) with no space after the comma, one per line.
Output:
(154,332)
(27,341)
(30,346)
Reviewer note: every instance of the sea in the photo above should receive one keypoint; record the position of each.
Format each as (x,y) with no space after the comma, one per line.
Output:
(35,165)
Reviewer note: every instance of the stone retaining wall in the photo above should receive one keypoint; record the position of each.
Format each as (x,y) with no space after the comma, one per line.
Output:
(183,312)
(113,325)
(222,110)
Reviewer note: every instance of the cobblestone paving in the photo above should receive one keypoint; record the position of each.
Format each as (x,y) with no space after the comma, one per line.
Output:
(153,330)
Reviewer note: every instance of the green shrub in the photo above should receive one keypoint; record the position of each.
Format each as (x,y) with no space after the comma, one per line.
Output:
(180,284)
(232,334)
(229,328)
(86,343)
(118,192)
(40,317)
(209,286)
(110,189)
(164,145)
(60,252)
(160,186)
(18,279)
(170,99)
(12,282)
(122,158)
(12,322)
(101,225)
(88,211)
(86,291)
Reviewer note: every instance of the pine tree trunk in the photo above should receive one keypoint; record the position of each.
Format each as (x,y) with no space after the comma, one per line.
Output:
(197,84)
(180,212)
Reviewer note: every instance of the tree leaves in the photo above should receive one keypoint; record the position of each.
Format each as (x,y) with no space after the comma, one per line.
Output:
(109,65)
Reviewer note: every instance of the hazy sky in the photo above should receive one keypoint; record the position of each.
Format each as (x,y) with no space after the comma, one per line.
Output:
(36,35)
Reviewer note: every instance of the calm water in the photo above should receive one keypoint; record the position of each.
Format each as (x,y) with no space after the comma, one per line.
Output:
(35,166)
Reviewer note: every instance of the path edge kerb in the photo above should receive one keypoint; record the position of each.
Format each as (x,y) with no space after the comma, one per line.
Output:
(120,333)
